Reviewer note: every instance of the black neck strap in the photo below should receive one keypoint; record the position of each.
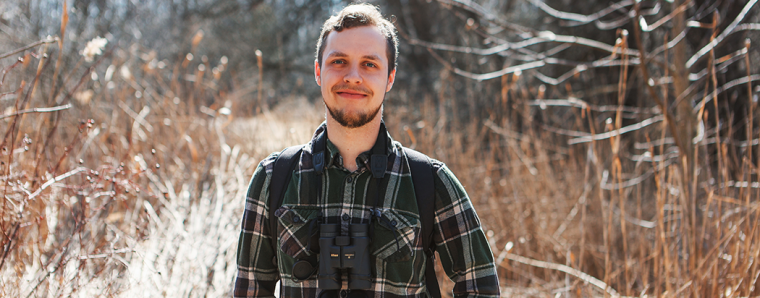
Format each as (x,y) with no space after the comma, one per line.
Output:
(378,164)
(378,159)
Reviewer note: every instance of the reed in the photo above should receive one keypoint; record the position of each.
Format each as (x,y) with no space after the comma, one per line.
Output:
(127,178)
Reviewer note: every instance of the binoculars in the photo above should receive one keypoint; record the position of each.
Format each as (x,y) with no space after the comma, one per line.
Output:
(344,257)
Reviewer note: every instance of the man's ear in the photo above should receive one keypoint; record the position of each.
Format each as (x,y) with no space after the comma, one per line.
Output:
(317,73)
(391,79)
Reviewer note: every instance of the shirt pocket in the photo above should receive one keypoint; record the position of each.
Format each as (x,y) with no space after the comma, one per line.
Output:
(395,236)
(294,230)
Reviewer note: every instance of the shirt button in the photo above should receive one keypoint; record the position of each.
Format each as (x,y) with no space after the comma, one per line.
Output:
(296,219)
(346,217)
(393,223)
(349,179)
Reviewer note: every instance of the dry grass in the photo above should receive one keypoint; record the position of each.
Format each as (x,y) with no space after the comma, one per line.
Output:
(135,188)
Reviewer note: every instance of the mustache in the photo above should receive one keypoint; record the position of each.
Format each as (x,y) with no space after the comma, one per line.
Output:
(344,86)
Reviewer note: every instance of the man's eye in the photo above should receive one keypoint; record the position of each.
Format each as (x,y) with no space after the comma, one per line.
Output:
(370,64)
(337,62)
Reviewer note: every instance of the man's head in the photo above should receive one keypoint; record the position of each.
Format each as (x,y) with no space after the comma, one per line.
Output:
(358,15)
(355,64)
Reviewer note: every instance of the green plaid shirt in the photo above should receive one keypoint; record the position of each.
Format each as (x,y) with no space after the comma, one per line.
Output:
(397,258)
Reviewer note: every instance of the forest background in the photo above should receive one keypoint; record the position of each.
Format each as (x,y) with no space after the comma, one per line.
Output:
(615,143)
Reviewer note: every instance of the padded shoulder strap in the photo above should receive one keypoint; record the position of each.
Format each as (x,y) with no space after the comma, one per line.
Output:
(283,169)
(424,190)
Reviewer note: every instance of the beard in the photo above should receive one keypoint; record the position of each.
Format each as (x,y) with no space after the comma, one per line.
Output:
(353,120)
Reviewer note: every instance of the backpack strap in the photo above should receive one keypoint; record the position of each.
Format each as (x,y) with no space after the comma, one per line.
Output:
(284,165)
(424,190)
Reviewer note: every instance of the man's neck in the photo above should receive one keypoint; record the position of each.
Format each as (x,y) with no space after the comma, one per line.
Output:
(352,141)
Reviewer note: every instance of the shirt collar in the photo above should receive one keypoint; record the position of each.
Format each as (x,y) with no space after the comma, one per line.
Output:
(332,156)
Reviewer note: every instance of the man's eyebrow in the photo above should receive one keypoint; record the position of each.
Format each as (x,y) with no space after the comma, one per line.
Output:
(372,57)
(337,54)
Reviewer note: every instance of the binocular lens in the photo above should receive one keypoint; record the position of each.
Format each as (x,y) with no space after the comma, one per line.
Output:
(302,270)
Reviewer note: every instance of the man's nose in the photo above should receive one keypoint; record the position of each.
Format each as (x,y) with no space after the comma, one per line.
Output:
(353,76)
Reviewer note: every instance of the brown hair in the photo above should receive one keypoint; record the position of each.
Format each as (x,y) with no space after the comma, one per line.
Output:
(358,15)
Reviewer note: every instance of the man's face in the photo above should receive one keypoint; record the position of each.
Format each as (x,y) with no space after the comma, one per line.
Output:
(354,75)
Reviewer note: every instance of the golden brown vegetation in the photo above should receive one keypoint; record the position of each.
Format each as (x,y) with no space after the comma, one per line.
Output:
(128,179)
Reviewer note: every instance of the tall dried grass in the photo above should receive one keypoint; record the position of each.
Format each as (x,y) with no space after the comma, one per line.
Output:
(125,177)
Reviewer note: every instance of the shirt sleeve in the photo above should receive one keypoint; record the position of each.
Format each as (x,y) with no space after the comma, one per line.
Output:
(257,274)
(460,242)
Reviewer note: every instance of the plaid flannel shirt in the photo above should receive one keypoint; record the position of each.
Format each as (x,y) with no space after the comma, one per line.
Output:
(397,257)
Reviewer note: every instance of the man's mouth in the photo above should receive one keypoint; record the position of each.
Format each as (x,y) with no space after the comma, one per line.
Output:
(351,94)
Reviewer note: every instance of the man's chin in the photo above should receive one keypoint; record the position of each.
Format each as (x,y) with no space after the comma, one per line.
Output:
(353,120)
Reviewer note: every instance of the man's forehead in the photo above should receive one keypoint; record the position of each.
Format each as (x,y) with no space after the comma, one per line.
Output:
(365,41)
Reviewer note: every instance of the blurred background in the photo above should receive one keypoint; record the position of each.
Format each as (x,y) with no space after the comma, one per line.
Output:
(611,148)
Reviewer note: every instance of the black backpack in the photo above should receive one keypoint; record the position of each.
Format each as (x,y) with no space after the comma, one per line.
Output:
(422,177)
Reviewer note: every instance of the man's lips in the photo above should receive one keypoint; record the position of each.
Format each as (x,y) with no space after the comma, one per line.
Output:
(351,94)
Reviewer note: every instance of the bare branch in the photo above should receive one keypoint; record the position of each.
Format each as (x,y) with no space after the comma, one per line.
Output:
(37,110)
(636,180)
(579,18)
(566,269)
(41,42)
(669,44)
(496,74)
(565,132)
(650,89)
(730,29)
(543,37)
(668,17)
(502,131)
(724,63)
(579,103)
(725,87)
(473,7)
(56,179)
(580,67)
(106,255)
(616,132)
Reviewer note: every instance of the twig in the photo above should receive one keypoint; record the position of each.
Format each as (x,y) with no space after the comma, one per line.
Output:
(5,72)
(636,180)
(614,133)
(668,17)
(573,212)
(44,41)
(484,13)
(38,110)
(579,18)
(497,74)
(740,184)
(579,103)
(730,29)
(105,255)
(645,73)
(9,244)
(579,68)
(139,118)
(502,131)
(56,179)
(727,86)
(566,269)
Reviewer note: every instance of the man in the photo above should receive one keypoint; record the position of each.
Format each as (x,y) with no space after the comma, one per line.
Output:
(336,190)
